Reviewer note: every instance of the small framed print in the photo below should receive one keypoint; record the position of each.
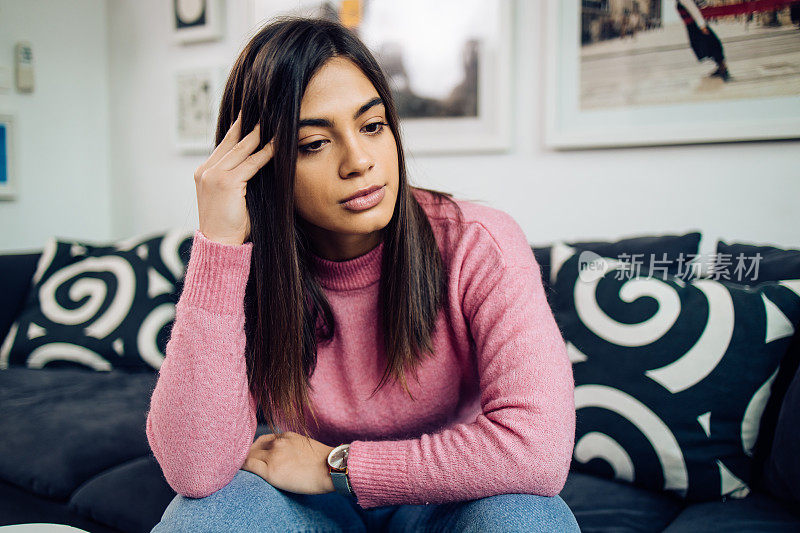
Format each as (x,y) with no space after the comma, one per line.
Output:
(198,93)
(197,20)
(8,185)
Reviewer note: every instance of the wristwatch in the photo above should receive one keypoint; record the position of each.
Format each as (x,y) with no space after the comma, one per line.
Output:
(337,466)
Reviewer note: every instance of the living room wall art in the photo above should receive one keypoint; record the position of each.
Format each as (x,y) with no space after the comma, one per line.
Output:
(631,76)
(197,96)
(197,20)
(448,63)
(8,189)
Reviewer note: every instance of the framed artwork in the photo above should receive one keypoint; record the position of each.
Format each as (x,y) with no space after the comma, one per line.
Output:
(636,73)
(197,20)
(198,93)
(8,185)
(448,63)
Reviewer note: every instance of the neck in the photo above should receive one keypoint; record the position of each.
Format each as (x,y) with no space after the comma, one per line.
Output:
(340,247)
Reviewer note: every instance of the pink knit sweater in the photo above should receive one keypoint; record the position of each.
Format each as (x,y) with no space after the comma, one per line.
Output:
(493,410)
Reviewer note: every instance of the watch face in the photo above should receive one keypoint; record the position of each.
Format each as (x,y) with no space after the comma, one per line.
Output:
(338,457)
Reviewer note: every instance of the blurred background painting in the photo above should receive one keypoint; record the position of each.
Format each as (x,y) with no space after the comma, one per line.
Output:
(639,52)
(433,66)
(658,72)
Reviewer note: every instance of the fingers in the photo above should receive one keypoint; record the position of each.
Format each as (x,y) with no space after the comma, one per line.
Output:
(250,166)
(236,155)
(256,466)
(263,442)
(228,142)
(240,150)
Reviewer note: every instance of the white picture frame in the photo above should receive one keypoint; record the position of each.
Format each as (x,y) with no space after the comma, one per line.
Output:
(198,93)
(487,130)
(195,21)
(569,126)
(8,179)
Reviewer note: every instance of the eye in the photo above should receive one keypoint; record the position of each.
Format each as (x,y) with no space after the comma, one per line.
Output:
(377,130)
(309,148)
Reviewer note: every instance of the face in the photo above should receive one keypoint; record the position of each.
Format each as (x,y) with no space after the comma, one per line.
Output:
(345,145)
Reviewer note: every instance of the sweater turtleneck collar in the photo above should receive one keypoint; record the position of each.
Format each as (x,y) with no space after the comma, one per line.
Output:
(356,273)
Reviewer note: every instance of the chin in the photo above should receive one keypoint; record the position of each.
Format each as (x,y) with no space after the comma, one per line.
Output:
(366,227)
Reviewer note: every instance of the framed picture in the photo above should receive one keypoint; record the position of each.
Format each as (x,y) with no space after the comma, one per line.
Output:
(628,73)
(448,63)
(198,93)
(197,20)
(8,185)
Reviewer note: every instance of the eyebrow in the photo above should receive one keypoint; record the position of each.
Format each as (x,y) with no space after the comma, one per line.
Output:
(325,123)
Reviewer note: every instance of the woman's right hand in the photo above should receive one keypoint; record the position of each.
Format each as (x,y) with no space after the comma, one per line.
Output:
(221,184)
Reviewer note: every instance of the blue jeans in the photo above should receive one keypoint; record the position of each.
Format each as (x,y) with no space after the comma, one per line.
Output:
(250,504)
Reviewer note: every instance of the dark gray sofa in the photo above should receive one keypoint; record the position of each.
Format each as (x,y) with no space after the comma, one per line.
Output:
(73,451)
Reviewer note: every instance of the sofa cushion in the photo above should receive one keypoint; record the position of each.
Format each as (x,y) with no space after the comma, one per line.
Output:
(757,512)
(782,469)
(647,250)
(751,263)
(130,497)
(19,506)
(671,376)
(604,505)
(776,459)
(62,426)
(100,307)
(15,284)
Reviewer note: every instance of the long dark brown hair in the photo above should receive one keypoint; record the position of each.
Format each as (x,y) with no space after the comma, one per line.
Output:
(286,311)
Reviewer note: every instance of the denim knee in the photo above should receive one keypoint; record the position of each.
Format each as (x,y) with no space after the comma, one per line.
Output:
(517,512)
(249,504)
(219,511)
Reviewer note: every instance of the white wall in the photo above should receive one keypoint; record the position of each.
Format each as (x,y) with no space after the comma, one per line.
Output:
(738,191)
(61,144)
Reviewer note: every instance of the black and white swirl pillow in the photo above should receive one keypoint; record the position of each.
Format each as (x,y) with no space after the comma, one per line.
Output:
(671,376)
(100,306)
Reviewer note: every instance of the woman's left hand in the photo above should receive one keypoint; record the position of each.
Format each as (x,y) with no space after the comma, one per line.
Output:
(292,462)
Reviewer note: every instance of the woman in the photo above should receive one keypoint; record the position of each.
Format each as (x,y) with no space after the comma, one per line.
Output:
(704,41)
(318,281)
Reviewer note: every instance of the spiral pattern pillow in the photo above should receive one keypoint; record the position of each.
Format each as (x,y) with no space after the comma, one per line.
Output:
(671,376)
(100,307)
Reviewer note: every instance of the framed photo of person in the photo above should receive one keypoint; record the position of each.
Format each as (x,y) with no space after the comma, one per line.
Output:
(448,63)
(198,93)
(197,20)
(8,185)
(643,73)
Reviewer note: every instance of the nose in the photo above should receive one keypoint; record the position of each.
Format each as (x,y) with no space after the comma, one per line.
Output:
(356,159)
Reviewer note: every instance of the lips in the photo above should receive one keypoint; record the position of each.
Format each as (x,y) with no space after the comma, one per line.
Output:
(362,192)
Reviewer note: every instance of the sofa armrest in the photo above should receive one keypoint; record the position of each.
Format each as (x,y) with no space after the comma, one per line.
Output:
(16,273)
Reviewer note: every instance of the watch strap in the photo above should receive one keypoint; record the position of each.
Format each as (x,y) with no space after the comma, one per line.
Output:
(342,484)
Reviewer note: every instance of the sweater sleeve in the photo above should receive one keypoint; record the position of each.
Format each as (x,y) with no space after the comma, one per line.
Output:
(694,11)
(202,417)
(522,440)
